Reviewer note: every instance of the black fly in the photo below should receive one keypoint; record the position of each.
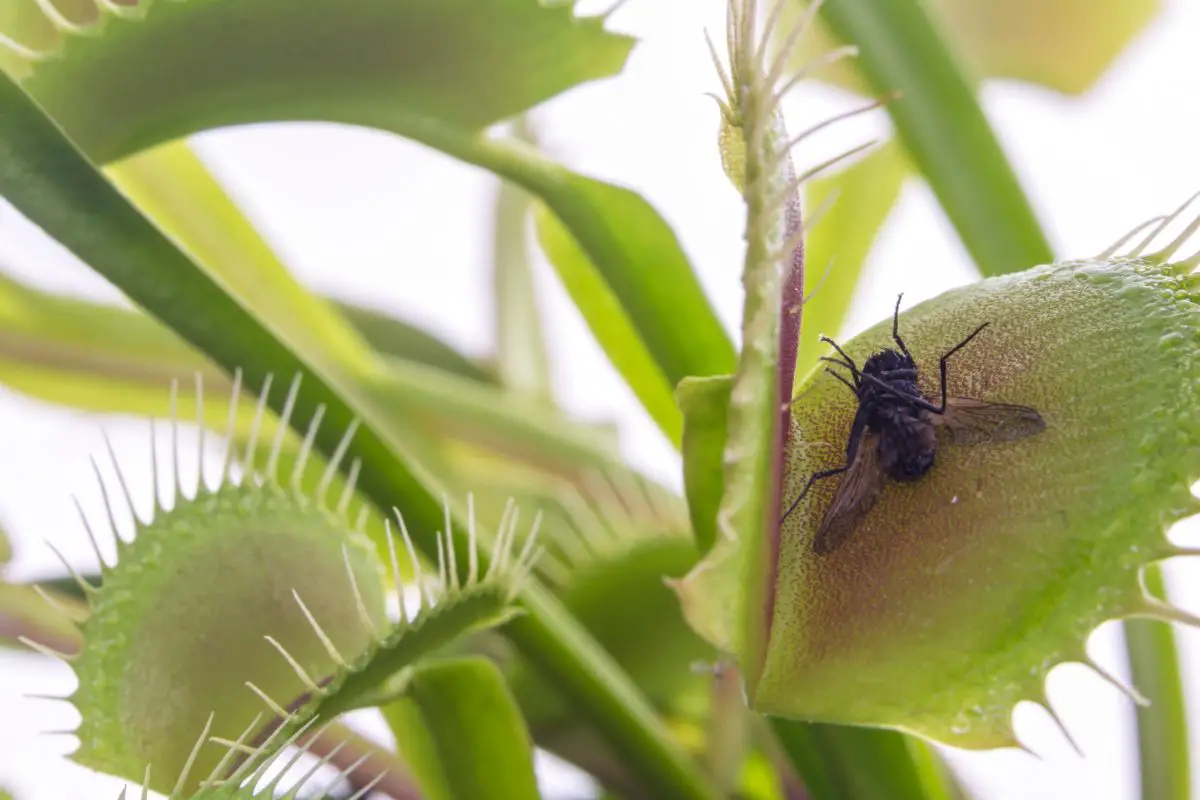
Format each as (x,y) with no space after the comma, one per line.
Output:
(895,431)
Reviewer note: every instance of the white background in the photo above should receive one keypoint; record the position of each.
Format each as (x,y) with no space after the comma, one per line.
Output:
(372,218)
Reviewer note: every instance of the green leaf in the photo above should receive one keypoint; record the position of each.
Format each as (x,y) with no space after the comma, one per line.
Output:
(705,406)
(1164,756)
(521,357)
(1065,45)
(944,130)
(398,338)
(838,244)
(133,82)
(844,763)
(462,734)
(5,547)
(171,186)
(520,53)
(24,613)
(611,325)
(54,186)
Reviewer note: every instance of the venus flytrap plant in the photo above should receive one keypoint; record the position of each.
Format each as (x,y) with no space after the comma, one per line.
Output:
(959,592)
(256,585)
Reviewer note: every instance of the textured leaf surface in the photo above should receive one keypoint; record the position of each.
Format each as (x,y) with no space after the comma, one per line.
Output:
(966,587)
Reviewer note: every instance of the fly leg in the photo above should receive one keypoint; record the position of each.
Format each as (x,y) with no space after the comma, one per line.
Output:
(856,431)
(942,364)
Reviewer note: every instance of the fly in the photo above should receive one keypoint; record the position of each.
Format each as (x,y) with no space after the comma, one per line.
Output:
(895,431)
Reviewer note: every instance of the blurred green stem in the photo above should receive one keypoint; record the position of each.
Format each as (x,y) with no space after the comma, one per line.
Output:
(1162,726)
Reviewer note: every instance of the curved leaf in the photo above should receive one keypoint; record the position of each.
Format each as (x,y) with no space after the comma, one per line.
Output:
(46,179)
(944,130)
(838,244)
(462,734)
(496,53)
(129,82)
(1065,45)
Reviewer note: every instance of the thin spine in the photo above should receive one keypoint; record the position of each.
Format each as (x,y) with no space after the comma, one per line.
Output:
(55,604)
(335,461)
(777,160)
(177,487)
(606,498)
(504,540)
(108,509)
(276,709)
(1173,246)
(58,19)
(116,465)
(295,759)
(191,759)
(366,790)
(359,605)
(418,573)
(441,561)
(200,434)
(301,673)
(326,642)
(451,562)
(230,426)
(236,746)
(813,67)
(391,542)
(50,652)
(1161,226)
(285,419)
(780,197)
(87,528)
(84,586)
(472,542)
(1129,691)
(358,762)
(310,436)
(348,489)
(631,493)
(1113,248)
(256,426)
(155,493)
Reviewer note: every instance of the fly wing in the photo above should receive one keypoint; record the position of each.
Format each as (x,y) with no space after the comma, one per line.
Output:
(970,421)
(857,491)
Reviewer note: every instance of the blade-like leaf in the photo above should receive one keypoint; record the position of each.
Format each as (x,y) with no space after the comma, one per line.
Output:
(396,337)
(844,763)
(173,187)
(838,244)
(521,358)
(705,406)
(1164,755)
(943,129)
(1065,45)
(24,614)
(462,734)
(611,326)
(129,82)
(52,184)
(114,94)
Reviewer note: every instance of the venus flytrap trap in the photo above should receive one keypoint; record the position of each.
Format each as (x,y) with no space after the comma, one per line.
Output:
(253,593)
(955,594)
